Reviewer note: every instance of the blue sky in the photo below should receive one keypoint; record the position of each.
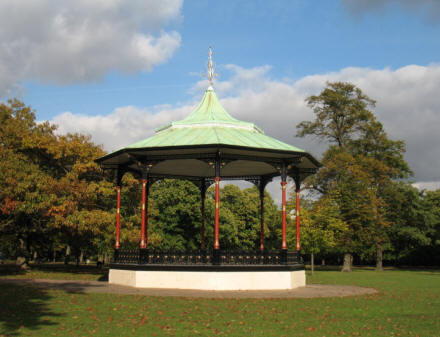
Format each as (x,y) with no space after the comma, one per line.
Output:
(297,38)
(85,66)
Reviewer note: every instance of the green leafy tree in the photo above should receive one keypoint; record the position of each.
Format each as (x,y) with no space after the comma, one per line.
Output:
(359,163)
(415,224)
(240,218)
(321,227)
(175,215)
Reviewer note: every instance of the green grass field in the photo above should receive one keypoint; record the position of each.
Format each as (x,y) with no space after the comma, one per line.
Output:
(408,304)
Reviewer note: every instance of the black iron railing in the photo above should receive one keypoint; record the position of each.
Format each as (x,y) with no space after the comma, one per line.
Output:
(220,257)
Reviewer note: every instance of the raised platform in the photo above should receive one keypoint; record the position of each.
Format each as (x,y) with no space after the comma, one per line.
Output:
(202,270)
(209,280)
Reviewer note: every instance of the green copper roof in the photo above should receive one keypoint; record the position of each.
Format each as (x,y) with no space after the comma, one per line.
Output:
(210,124)
(209,113)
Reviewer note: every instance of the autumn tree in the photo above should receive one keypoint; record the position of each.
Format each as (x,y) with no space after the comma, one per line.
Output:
(23,183)
(51,189)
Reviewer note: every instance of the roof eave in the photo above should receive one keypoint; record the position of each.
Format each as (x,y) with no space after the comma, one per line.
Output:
(102,159)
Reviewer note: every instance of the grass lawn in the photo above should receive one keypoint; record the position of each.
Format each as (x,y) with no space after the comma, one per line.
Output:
(408,304)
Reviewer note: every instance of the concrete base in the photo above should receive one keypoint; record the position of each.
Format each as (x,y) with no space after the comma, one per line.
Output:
(208,280)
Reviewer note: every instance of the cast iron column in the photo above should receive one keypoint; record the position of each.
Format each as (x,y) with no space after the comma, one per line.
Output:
(144,197)
(216,252)
(203,194)
(217,204)
(118,175)
(118,215)
(283,214)
(262,216)
(297,189)
(147,194)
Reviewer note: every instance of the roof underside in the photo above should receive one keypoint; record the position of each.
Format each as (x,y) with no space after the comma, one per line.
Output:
(196,161)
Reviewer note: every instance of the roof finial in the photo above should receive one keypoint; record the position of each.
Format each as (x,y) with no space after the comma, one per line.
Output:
(210,73)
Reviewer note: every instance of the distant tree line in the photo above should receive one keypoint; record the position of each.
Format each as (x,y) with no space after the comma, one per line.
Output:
(57,204)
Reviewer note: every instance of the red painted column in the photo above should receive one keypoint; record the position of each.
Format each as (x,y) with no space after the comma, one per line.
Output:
(216,224)
(147,193)
(298,246)
(262,220)
(118,215)
(143,243)
(284,240)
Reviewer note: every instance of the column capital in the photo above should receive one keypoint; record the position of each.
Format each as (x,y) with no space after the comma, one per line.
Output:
(119,172)
(297,180)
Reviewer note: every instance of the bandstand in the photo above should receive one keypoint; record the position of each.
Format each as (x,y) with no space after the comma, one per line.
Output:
(208,146)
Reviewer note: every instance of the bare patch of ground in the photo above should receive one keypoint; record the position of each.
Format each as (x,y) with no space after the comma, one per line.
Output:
(309,291)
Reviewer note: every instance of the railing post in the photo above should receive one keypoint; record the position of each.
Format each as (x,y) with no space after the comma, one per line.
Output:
(283,256)
(116,256)
(143,256)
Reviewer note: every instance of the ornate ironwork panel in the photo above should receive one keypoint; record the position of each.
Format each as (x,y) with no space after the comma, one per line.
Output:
(225,257)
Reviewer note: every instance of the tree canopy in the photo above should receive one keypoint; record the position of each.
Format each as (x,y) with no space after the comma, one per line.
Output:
(56,203)
(361,164)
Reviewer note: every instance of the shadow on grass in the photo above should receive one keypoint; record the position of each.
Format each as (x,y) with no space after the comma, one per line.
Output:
(47,269)
(69,286)
(11,269)
(24,306)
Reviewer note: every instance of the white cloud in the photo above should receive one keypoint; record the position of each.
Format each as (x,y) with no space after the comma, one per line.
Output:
(427,185)
(407,98)
(124,126)
(80,41)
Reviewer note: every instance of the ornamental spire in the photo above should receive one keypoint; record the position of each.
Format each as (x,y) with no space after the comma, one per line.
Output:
(210,74)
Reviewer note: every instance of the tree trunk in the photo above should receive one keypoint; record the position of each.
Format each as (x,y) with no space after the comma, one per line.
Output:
(323,262)
(35,257)
(81,257)
(379,257)
(54,256)
(312,262)
(22,258)
(348,261)
(77,258)
(67,257)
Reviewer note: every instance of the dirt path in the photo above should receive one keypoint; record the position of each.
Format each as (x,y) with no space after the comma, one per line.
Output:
(310,291)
